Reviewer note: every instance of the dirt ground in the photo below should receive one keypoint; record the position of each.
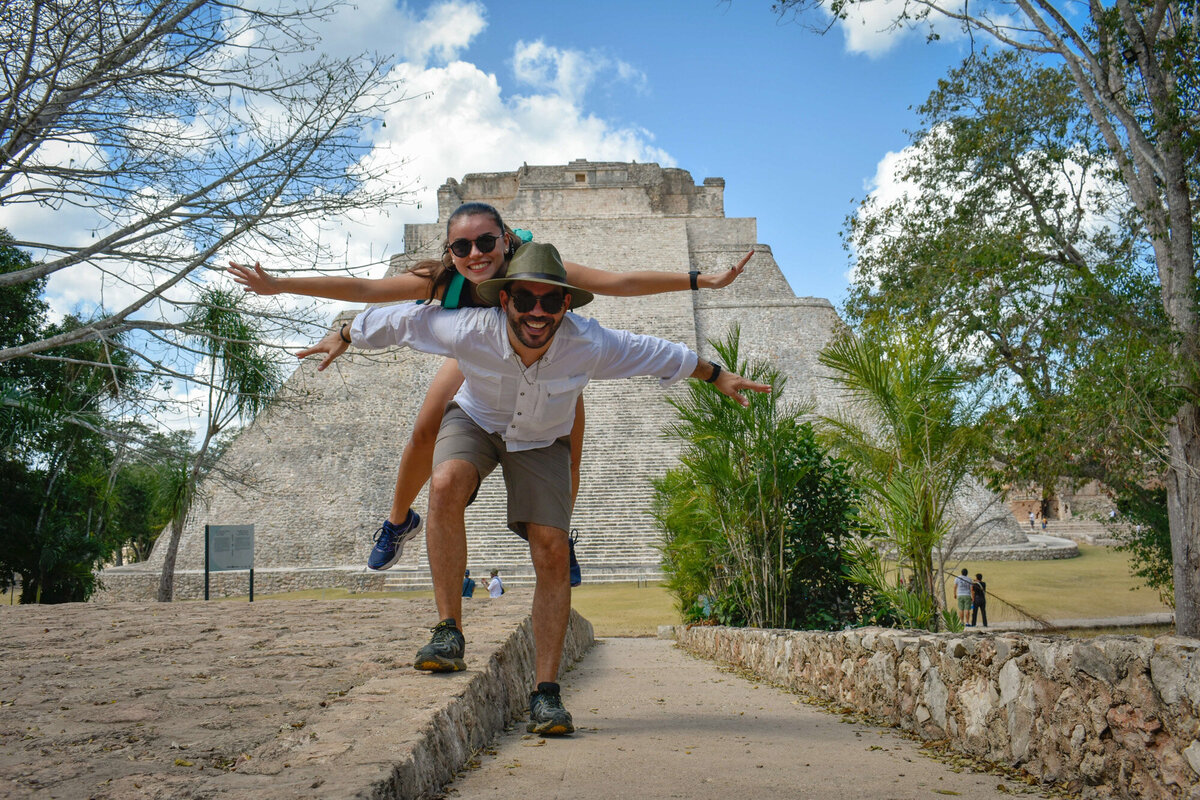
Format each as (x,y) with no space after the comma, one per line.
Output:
(191,700)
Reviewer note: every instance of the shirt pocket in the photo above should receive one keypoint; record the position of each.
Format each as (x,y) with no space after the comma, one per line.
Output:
(485,386)
(556,401)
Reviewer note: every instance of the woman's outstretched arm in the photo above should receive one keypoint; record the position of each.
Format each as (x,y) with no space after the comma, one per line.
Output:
(406,286)
(641,282)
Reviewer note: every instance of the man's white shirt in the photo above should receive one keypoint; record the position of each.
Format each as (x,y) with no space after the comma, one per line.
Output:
(528,406)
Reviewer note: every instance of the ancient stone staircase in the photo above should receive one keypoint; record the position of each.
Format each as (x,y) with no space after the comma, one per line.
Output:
(1079,529)
(607,553)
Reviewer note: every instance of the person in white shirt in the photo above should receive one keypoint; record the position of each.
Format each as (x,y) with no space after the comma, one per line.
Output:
(525,364)
(962,593)
(495,587)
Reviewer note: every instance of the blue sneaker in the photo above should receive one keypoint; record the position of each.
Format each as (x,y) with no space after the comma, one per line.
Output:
(576,572)
(390,540)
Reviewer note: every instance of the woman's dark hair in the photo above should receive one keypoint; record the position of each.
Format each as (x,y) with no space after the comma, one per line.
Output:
(441,271)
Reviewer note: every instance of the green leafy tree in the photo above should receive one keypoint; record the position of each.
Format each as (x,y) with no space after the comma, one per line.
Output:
(143,493)
(906,434)
(58,470)
(754,516)
(1136,69)
(1016,240)
(1147,538)
(184,129)
(242,378)
(822,514)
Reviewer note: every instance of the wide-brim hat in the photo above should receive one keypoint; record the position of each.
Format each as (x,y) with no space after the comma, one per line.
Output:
(536,262)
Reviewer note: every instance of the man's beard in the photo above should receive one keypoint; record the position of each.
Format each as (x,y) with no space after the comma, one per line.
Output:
(530,338)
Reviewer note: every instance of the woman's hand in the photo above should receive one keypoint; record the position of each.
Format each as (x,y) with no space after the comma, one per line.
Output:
(254,279)
(333,345)
(719,280)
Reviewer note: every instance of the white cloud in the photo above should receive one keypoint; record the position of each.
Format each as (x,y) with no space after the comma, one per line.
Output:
(444,32)
(870,28)
(567,73)
(886,186)
(459,119)
(440,35)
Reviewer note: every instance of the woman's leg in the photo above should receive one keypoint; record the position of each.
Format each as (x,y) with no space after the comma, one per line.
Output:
(416,461)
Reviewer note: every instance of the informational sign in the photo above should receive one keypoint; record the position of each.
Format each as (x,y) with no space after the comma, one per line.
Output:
(230,547)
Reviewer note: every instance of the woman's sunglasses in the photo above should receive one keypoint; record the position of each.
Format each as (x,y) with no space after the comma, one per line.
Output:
(524,301)
(485,244)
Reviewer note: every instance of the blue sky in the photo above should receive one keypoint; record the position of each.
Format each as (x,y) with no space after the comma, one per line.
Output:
(797,124)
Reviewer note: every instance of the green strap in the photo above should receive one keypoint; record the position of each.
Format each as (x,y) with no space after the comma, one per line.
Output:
(453,291)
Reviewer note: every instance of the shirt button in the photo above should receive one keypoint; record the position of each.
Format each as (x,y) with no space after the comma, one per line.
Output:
(518,413)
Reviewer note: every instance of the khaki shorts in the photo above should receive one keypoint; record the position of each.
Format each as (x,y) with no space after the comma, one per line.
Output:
(964,602)
(538,480)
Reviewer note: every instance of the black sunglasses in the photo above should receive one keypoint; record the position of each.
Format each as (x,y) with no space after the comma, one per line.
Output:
(524,301)
(485,243)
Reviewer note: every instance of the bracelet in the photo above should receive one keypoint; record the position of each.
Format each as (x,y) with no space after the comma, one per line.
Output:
(342,333)
(715,374)
(692,276)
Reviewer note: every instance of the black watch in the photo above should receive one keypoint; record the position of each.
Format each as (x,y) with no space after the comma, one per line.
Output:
(716,373)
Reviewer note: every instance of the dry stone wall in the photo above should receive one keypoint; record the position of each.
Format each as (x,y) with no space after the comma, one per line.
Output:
(1114,716)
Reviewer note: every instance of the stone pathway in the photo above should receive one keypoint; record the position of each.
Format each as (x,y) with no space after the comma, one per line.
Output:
(656,722)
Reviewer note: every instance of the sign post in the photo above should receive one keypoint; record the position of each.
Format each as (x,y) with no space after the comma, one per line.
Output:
(228,547)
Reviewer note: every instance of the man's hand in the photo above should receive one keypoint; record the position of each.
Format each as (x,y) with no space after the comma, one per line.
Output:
(732,385)
(728,383)
(719,280)
(254,279)
(333,345)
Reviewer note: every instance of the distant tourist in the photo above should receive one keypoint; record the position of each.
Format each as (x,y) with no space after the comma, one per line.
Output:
(978,600)
(495,586)
(962,590)
(1032,521)
(468,584)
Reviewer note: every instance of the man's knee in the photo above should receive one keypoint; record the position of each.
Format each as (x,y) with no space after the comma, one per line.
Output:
(453,482)
(548,547)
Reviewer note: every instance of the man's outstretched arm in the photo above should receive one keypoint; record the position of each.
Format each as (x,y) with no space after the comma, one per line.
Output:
(728,383)
(332,346)
(427,328)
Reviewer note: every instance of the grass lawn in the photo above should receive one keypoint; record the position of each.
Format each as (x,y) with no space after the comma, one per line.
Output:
(1097,584)
(614,609)
(625,609)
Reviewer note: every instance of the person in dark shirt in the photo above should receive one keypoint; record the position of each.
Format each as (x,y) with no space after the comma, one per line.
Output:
(978,600)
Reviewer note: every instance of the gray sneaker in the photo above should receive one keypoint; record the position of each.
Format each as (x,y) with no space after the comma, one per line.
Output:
(444,653)
(547,717)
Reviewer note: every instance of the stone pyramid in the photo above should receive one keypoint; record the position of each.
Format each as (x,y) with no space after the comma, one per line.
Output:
(322,460)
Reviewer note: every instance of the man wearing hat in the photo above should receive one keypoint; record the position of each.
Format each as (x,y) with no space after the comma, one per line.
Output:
(525,364)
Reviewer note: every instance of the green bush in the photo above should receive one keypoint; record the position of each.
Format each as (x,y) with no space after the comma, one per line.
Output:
(755,516)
